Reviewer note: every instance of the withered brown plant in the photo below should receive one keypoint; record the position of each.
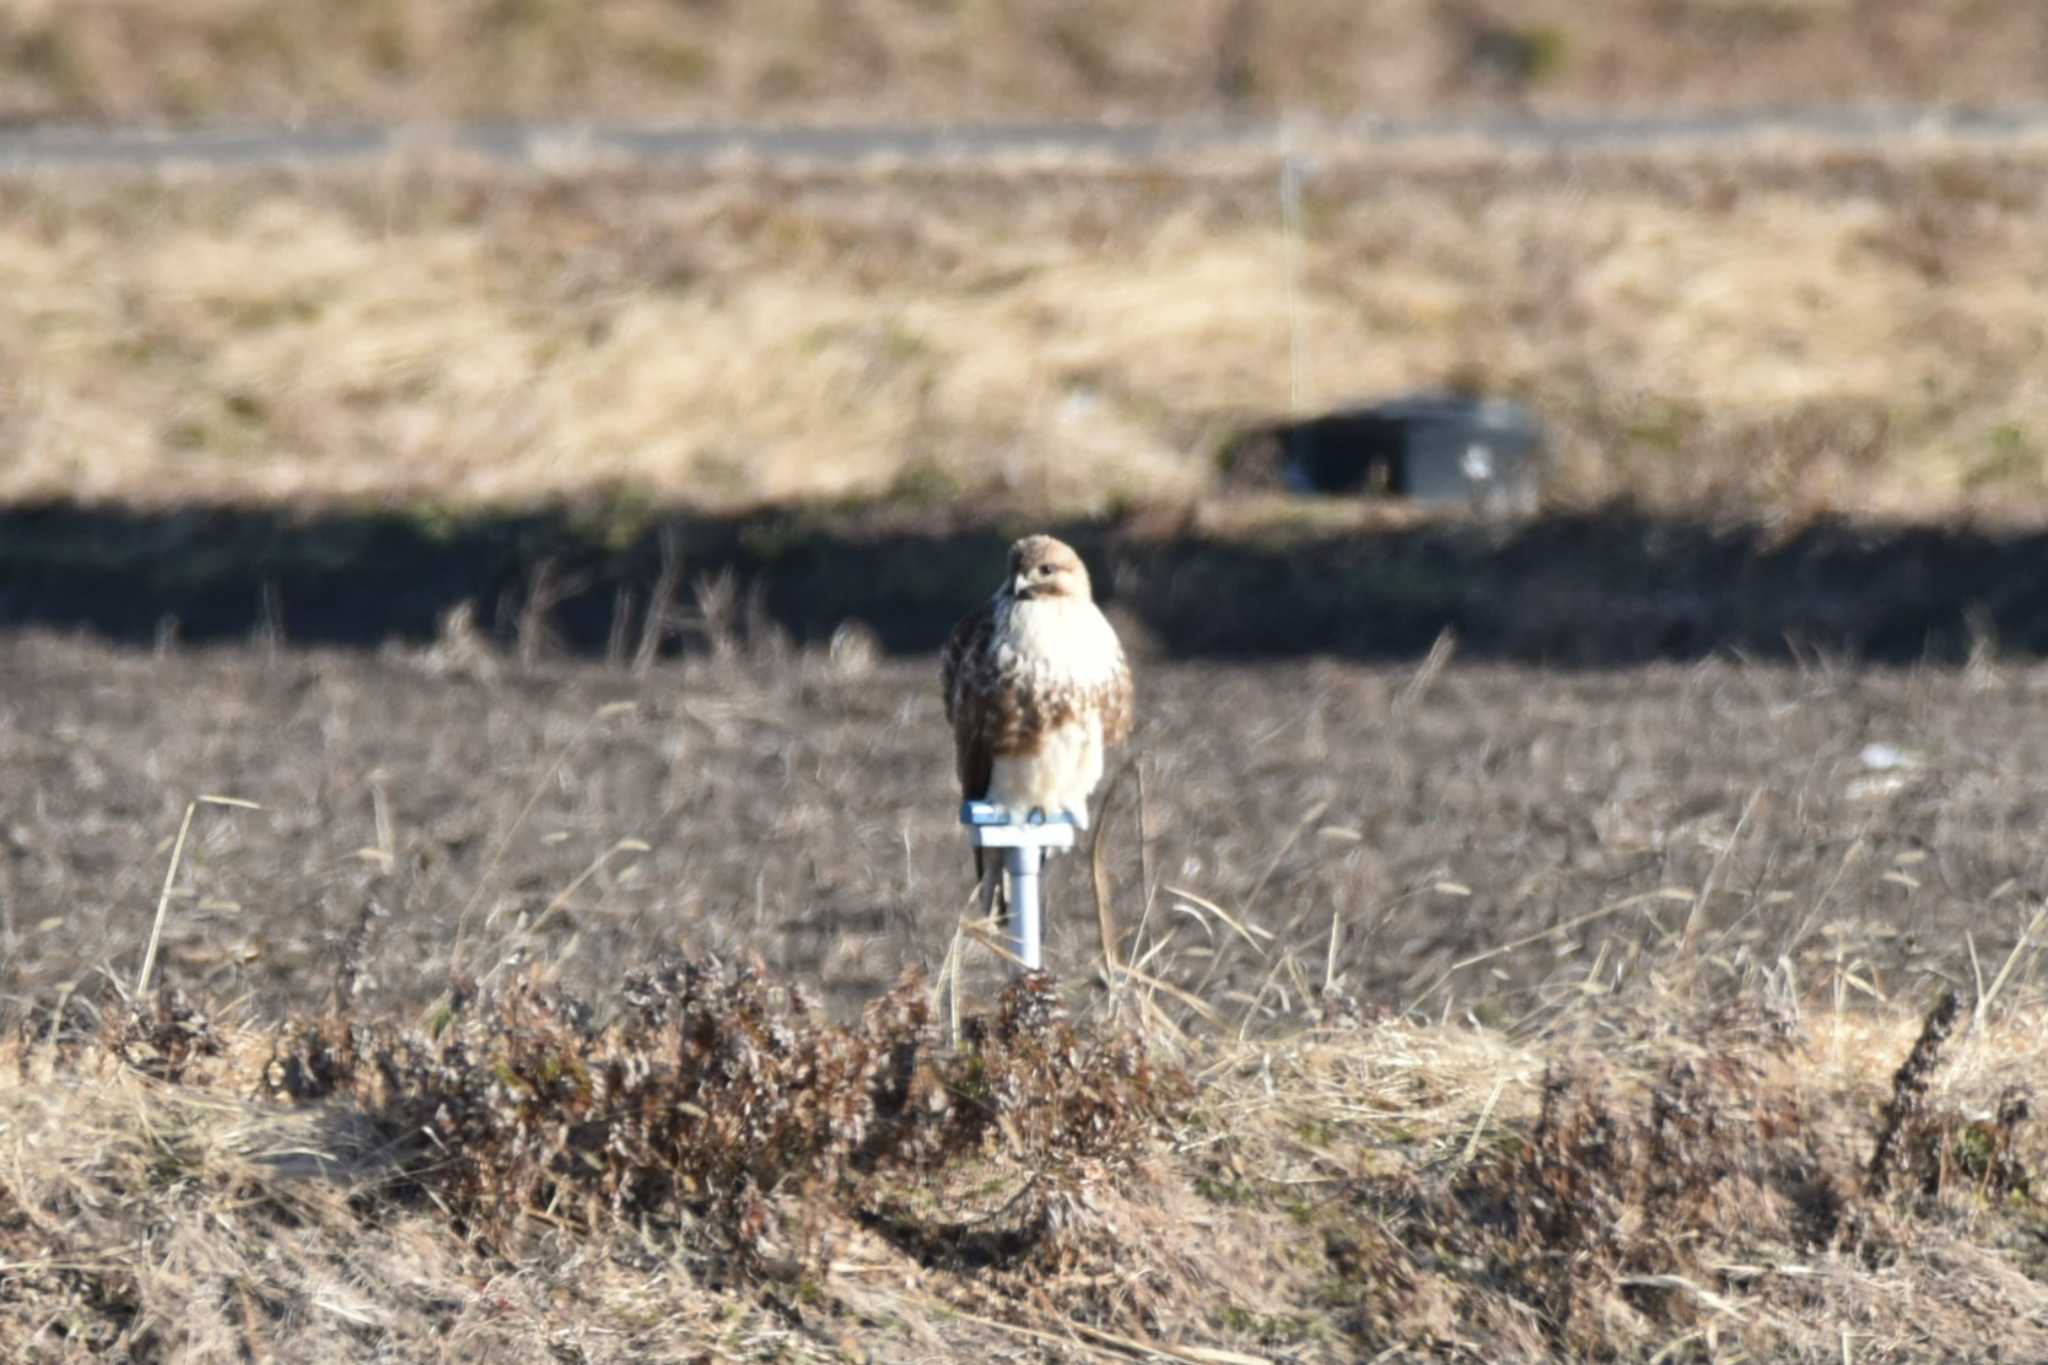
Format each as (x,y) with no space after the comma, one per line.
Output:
(710,1093)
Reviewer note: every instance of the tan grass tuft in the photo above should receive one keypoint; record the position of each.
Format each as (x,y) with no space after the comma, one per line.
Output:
(701,1164)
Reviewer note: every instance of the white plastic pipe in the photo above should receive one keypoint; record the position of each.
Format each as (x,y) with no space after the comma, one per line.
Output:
(1024,842)
(1024,861)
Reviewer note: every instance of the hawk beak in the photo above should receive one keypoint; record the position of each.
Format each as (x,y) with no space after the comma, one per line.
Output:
(1020,586)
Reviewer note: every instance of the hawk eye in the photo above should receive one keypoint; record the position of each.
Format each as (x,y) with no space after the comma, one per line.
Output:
(1044,569)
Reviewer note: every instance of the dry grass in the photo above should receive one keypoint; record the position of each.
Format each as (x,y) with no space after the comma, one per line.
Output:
(1782,330)
(864,59)
(696,1167)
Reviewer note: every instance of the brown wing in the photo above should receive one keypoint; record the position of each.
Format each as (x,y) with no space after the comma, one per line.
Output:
(962,660)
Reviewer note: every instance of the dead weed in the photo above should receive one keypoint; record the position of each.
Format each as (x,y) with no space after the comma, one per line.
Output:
(701,1163)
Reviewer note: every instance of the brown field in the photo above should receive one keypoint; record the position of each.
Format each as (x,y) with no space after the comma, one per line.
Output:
(1779,333)
(1699,908)
(455,811)
(819,60)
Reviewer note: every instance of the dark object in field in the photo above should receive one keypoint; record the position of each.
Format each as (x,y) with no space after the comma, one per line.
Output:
(1437,448)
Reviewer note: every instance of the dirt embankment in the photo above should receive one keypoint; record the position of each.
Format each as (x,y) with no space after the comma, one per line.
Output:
(621,580)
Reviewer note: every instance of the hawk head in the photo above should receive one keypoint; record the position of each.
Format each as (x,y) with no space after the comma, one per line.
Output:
(1041,567)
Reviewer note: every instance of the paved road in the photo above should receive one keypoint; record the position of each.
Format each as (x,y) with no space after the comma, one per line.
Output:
(77,149)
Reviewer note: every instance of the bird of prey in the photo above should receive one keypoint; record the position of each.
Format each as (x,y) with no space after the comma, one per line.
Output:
(1036,688)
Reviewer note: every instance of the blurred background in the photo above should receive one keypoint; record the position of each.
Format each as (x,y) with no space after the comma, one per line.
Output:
(1748,263)
(235,61)
(1778,256)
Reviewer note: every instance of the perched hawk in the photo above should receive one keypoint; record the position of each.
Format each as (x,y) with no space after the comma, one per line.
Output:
(1036,687)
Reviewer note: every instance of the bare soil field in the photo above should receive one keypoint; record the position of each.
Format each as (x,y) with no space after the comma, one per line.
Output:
(1449,1011)
(435,811)
(301,60)
(1773,333)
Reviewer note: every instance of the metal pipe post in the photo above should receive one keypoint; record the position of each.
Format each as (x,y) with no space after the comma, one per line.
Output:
(1024,861)
(1024,839)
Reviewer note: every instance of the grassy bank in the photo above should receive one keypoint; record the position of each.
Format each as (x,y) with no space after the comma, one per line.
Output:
(1784,331)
